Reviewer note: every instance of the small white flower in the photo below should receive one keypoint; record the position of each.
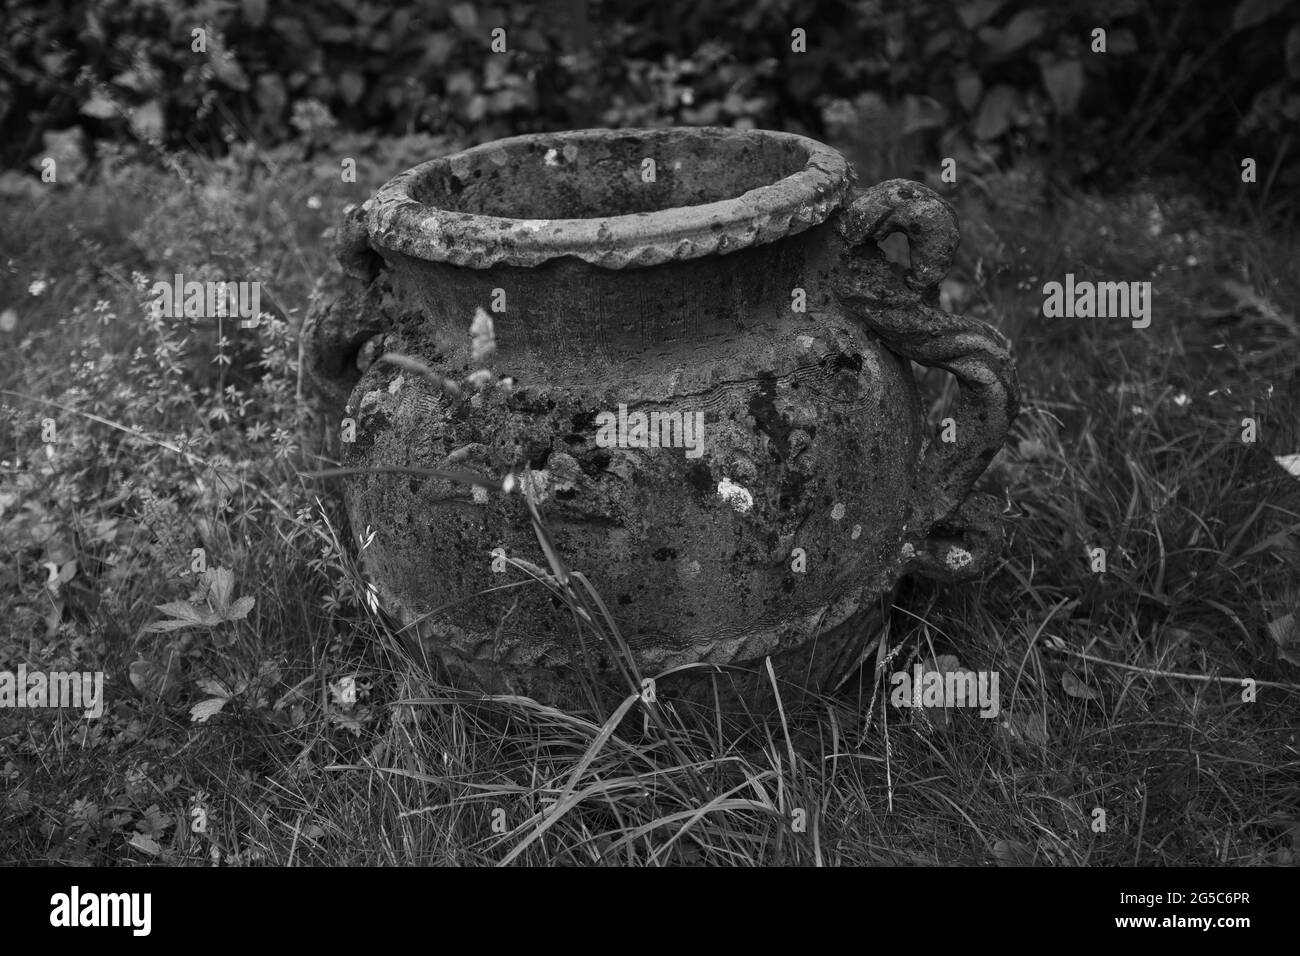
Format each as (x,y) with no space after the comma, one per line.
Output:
(344,692)
(313,202)
(37,287)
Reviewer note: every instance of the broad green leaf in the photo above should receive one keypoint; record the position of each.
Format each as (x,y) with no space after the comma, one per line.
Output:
(160,680)
(1012,853)
(352,85)
(1077,688)
(1287,635)
(1064,82)
(977,11)
(153,822)
(144,844)
(211,687)
(465,16)
(922,112)
(240,608)
(994,117)
(969,88)
(1252,12)
(99,107)
(162,627)
(209,707)
(182,611)
(1025,27)
(147,121)
(1024,728)
(221,584)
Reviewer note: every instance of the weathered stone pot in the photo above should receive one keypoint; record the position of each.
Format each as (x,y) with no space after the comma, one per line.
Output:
(715,271)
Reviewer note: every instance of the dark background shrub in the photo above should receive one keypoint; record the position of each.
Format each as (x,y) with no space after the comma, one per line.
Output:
(1186,87)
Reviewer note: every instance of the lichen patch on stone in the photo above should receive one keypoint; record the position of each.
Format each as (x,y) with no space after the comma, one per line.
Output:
(958,558)
(735,495)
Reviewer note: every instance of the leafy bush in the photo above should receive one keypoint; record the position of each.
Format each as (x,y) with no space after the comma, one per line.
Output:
(122,68)
(981,79)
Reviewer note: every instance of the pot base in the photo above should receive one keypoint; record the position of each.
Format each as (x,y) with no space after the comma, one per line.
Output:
(815,668)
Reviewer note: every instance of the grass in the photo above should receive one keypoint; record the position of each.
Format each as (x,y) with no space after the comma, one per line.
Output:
(336,743)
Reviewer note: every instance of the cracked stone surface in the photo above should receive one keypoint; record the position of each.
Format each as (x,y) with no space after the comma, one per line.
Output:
(669,297)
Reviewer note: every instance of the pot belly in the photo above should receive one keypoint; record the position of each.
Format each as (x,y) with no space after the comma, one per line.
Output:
(771,510)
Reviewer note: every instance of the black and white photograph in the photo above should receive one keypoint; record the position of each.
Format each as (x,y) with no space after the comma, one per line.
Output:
(662,433)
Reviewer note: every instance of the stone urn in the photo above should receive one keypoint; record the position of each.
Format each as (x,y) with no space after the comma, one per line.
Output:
(686,346)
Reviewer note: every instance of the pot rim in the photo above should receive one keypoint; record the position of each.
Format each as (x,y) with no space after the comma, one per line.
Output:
(397,221)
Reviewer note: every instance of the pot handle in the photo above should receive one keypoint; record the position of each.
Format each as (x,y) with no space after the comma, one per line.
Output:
(337,327)
(953,532)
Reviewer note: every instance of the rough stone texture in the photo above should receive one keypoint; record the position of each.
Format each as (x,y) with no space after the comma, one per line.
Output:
(530,199)
(812,422)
